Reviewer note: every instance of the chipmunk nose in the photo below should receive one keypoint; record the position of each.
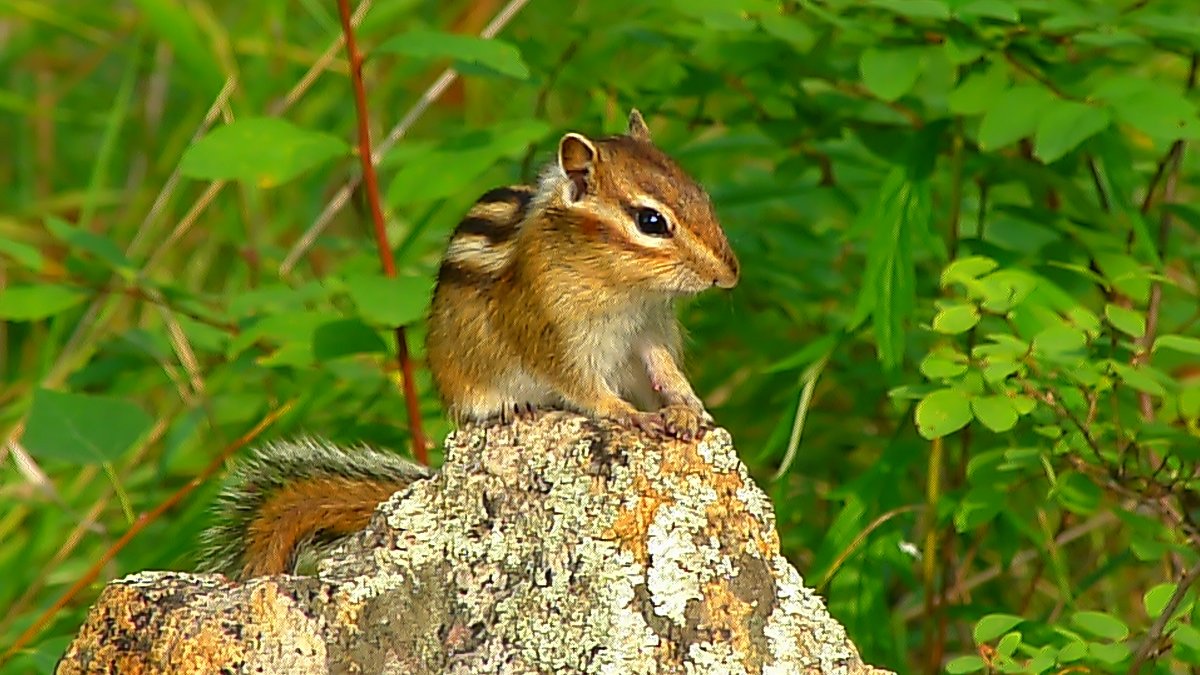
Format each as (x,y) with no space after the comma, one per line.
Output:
(728,278)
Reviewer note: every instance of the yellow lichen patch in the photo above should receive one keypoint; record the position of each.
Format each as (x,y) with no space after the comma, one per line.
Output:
(731,523)
(209,649)
(631,526)
(683,459)
(726,618)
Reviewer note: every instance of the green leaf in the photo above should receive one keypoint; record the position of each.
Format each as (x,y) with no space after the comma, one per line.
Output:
(1002,347)
(344,337)
(266,151)
(1139,378)
(98,245)
(33,303)
(291,332)
(995,412)
(997,369)
(993,626)
(965,664)
(390,301)
(891,73)
(967,269)
(979,506)
(1064,125)
(915,9)
(1013,116)
(82,429)
(1187,635)
(724,15)
(790,29)
(1060,342)
(457,163)
(991,9)
(937,366)
(1126,320)
(1151,106)
(1111,654)
(1100,625)
(1189,401)
(470,53)
(900,216)
(1180,343)
(25,255)
(980,90)
(1155,600)
(1043,660)
(1004,290)
(1008,644)
(1072,652)
(955,319)
(942,413)
(275,298)
(1077,493)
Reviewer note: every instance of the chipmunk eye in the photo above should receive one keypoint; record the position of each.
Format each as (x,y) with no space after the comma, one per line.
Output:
(652,222)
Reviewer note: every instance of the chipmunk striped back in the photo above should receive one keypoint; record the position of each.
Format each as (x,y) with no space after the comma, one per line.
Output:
(483,242)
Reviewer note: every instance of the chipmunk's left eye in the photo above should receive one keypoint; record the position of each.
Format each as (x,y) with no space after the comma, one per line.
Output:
(652,222)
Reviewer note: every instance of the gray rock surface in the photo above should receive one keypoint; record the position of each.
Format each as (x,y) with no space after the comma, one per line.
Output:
(554,546)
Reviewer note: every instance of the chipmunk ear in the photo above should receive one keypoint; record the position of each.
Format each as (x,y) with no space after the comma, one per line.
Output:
(576,157)
(637,127)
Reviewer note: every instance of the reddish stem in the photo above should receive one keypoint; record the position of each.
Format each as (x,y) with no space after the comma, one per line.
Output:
(371,183)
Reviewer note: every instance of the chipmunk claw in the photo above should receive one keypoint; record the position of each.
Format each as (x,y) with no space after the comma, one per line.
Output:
(648,422)
(682,422)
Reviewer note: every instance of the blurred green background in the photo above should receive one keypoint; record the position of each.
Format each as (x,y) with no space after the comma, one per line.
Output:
(964,357)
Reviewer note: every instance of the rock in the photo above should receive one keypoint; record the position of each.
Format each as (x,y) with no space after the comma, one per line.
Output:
(559,545)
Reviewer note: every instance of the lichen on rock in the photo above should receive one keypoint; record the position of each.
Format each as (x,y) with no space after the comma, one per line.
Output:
(558,545)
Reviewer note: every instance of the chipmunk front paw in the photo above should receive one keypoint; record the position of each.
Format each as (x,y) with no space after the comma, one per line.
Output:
(684,422)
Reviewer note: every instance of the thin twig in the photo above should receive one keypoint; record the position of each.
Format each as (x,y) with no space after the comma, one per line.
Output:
(1160,624)
(433,93)
(140,524)
(862,537)
(914,609)
(371,181)
(1154,304)
(321,64)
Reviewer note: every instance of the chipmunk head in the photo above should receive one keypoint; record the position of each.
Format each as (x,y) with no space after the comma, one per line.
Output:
(645,221)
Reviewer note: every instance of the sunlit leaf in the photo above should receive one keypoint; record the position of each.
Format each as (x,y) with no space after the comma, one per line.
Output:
(1064,125)
(995,412)
(1179,343)
(955,319)
(1013,116)
(31,303)
(282,151)
(390,301)
(890,73)
(993,626)
(1126,320)
(942,413)
(495,56)
(82,429)
(1101,625)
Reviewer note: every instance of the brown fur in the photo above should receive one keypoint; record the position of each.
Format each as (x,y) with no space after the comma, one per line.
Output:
(307,509)
(572,307)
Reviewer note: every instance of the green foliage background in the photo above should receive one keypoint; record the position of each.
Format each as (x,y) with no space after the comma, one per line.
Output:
(970,266)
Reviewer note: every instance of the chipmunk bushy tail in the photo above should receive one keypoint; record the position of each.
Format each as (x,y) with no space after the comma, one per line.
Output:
(290,501)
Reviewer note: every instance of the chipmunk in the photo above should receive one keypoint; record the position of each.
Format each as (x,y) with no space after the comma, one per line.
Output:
(554,295)
(561,295)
